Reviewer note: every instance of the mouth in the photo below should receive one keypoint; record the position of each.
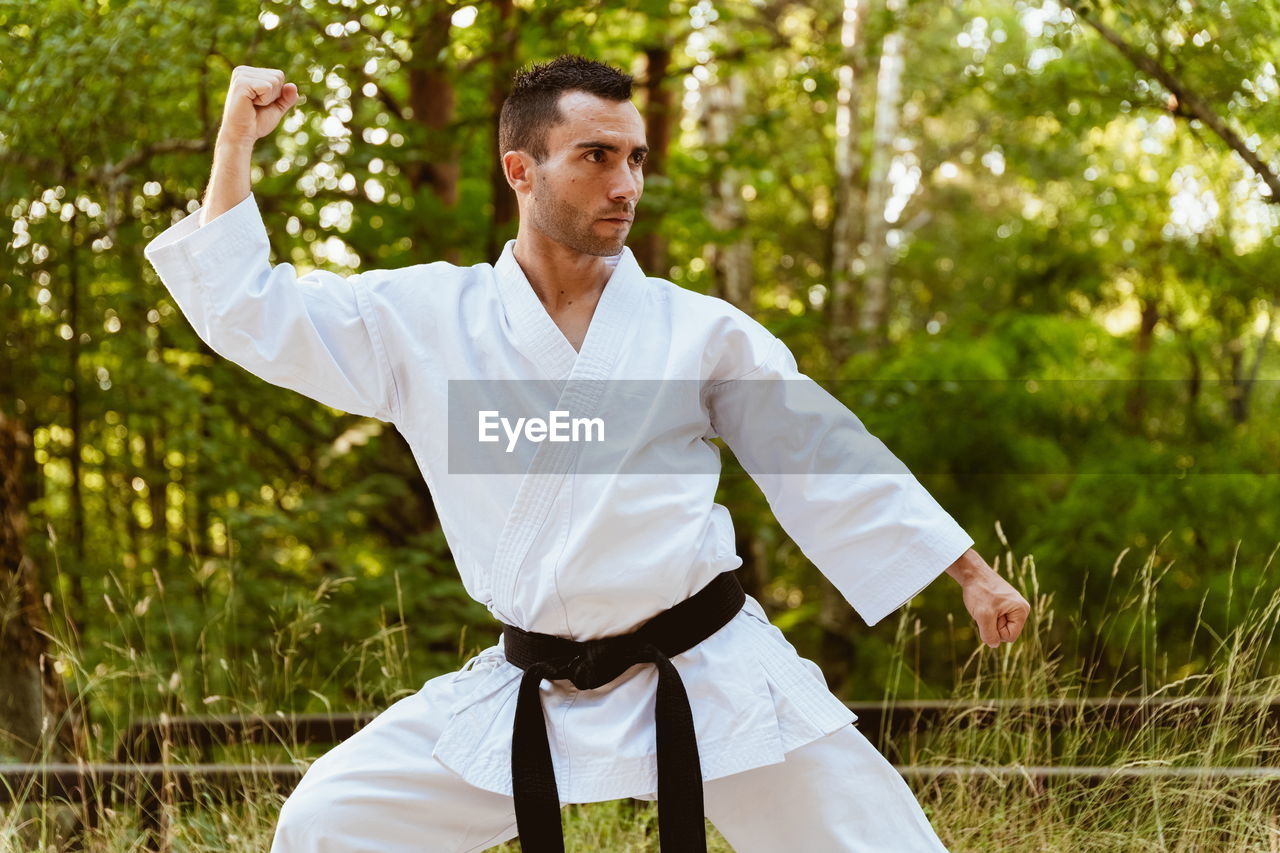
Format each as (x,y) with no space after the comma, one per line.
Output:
(618,219)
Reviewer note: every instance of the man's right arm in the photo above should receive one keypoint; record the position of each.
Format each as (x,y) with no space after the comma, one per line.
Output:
(318,333)
(229,182)
(256,101)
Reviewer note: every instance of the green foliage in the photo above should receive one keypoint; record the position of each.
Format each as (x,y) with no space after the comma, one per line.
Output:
(1080,282)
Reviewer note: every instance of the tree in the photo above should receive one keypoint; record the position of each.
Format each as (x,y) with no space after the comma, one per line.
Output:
(36,721)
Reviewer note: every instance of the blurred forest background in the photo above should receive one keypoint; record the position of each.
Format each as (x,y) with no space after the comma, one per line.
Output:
(1033,245)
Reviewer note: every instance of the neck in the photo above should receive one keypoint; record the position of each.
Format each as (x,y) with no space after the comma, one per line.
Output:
(560,276)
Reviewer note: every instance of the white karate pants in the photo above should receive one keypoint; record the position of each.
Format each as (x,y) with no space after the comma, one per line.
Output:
(380,791)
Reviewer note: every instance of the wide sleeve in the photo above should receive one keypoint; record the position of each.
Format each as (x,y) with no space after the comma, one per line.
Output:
(852,507)
(316,334)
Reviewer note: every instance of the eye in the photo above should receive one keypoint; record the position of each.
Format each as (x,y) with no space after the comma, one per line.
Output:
(639,158)
(596,151)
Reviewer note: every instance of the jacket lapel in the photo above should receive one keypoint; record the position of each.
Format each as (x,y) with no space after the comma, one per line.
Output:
(580,395)
(536,333)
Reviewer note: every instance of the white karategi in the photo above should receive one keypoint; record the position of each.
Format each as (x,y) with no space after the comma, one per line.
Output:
(581,556)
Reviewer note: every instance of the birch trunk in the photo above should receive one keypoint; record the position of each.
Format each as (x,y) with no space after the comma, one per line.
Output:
(873,317)
(730,260)
(845,235)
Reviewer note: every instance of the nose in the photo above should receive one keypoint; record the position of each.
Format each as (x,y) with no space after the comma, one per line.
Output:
(626,186)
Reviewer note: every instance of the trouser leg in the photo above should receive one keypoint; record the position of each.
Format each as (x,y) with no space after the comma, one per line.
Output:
(836,794)
(380,791)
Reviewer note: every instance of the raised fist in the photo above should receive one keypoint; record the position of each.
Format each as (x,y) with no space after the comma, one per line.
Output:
(256,101)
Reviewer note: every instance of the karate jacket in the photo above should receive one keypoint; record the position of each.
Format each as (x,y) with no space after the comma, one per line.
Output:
(587,553)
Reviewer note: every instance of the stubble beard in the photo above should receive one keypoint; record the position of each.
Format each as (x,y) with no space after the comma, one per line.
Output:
(566,224)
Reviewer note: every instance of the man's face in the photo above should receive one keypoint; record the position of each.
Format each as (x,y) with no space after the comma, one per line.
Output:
(584,194)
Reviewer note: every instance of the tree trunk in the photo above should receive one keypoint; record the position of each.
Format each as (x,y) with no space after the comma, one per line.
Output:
(1247,391)
(124,487)
(157,481)
(651,248)
(873,317)
(1235,389)
(195,485)
(837,651)
(502,63)
(35,721)
(749,572)
(731,258)
(74,422)
(1191,423)
(1193,390)
(845,230)
(431,97)
(1135,405)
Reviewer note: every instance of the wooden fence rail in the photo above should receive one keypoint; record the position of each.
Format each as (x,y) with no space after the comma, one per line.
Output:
(145,772)
(1057,714)
(145,740)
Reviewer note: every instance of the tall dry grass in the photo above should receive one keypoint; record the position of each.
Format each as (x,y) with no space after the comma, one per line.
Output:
(972,815)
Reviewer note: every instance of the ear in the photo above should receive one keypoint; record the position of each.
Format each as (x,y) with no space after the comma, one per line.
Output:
(519,169)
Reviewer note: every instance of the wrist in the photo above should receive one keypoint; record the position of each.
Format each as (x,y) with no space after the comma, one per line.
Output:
(236,145)
(968,568)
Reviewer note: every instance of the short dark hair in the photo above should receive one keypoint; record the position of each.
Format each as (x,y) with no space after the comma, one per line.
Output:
(532,108)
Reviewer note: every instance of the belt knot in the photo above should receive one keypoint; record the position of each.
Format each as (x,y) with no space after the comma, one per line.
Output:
(601,661)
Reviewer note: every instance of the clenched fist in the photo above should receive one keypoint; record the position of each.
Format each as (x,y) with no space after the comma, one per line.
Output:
(257,100)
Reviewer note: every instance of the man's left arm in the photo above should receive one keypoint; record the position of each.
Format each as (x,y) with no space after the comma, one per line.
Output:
(851,506)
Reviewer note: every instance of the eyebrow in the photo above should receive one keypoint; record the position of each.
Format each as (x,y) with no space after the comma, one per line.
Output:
(609,146)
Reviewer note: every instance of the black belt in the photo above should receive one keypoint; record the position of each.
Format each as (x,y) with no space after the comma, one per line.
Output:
(593,663)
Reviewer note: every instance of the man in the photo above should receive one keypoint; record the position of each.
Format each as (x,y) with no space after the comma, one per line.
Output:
(597,575)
